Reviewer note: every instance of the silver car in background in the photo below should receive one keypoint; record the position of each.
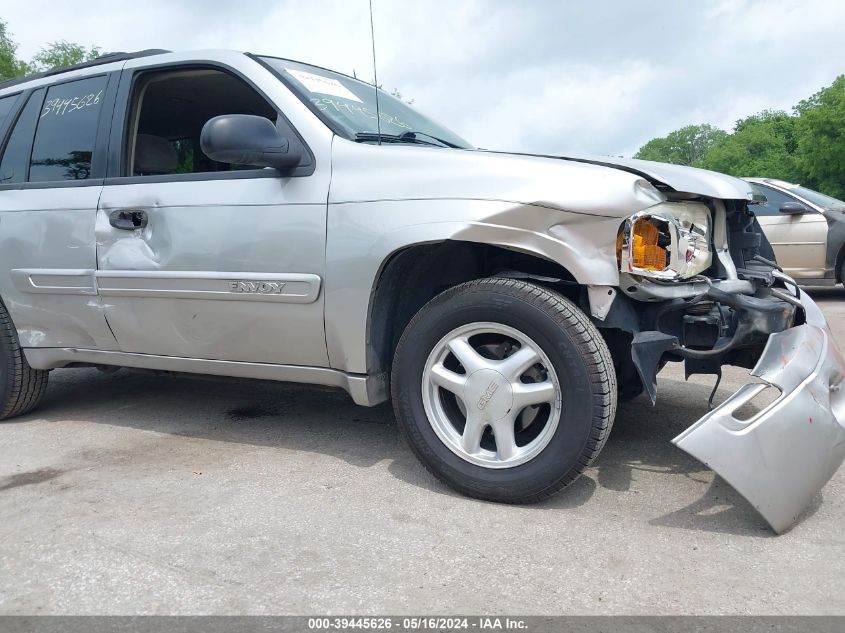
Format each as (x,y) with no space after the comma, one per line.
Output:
(806,229)
(241,215)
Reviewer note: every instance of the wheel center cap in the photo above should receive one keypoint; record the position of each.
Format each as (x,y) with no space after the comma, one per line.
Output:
(489,393)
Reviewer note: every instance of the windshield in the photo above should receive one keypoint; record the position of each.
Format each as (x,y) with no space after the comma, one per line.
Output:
(349,107)
(817,198)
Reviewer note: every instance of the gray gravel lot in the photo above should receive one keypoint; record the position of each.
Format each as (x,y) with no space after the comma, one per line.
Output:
(133,493)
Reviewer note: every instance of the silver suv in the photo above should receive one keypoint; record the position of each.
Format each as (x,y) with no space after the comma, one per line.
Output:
(240,215)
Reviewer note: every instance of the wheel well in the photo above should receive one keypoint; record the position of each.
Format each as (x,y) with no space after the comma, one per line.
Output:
(839,273)
(415,275)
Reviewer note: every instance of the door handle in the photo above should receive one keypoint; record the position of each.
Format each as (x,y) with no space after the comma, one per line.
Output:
(128,219)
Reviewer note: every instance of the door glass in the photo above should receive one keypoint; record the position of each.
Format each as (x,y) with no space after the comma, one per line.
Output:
(171,109)
(774,199)
(67,131)
(6,104)
(15,161)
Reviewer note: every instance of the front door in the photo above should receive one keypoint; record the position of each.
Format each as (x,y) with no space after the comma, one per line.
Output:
(199,259)
(799,240)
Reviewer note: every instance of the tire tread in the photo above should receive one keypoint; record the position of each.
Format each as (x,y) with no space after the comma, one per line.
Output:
(21,386)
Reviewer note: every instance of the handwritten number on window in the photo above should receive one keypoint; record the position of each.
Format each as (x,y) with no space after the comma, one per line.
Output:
(343,107)
(60,107)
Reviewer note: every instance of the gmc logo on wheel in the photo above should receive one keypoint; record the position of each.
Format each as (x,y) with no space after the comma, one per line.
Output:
(484,400)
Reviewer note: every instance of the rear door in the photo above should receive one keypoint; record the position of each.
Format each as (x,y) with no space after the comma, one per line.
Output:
(51,176)
(799,241)
(204,260)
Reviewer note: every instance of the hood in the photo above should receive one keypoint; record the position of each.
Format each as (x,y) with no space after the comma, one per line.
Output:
(677,177)
(366,172)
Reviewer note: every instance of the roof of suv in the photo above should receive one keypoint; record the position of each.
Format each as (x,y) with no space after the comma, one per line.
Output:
(102,59)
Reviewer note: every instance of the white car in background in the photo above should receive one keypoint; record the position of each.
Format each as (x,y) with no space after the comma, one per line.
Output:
(805,228)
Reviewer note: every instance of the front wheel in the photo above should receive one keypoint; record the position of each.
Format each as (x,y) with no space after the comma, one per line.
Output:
(503,389)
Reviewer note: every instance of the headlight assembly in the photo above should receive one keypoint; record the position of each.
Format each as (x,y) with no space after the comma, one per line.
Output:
(668,241)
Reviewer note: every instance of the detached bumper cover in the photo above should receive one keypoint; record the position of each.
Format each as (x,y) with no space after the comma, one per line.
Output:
(779,458)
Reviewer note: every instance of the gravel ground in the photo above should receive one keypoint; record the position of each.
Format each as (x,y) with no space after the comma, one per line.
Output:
(139,494)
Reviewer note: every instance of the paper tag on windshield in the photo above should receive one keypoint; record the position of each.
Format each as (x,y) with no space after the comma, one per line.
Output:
(323,85)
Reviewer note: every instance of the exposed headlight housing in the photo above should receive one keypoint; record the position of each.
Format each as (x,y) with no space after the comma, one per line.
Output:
(668,241)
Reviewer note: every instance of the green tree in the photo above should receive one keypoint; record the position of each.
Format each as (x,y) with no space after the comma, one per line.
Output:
(761,145)
(10,65)
(686,146)
(53,55)
(820,134)
(62,53)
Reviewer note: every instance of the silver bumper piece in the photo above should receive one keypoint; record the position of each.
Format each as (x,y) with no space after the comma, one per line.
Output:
(779,458)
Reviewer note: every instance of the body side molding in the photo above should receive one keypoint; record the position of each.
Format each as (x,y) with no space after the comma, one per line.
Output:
(225,286)
(61,281)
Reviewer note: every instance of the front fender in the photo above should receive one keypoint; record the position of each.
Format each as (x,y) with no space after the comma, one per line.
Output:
(363,236)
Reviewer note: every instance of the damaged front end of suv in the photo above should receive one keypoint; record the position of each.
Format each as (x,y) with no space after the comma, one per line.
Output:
(699,285)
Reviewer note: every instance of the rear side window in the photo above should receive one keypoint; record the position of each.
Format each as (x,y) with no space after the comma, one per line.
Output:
(67,131)
(15,161)
(6,104)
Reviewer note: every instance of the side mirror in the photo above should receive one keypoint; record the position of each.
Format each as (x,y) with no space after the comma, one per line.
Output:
(244,139)
(793,208)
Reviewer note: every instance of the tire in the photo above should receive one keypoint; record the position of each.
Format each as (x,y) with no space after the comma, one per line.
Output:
(21,386)
(566,432)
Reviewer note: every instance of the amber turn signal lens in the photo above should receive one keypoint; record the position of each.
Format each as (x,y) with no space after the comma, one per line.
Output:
(646,253)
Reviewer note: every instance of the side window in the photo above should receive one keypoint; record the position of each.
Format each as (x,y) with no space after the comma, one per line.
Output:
(15,162)
(169,110)
(774,199)
(6,104)
(67,131)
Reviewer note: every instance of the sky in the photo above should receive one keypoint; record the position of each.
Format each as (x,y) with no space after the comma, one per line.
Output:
(545,76)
